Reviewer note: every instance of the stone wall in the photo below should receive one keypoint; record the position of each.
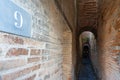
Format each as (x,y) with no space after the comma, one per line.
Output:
(39,57)
(109,39)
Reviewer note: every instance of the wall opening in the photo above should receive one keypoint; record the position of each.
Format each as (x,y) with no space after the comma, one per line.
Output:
(88,52)
(87,37)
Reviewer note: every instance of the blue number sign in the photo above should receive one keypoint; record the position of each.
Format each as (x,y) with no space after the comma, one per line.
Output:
(14,19)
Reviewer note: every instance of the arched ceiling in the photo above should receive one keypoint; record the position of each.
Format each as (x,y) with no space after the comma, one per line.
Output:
(86,15)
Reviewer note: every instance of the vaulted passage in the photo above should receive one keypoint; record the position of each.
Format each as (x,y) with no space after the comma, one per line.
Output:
(86,71)
(87,50)
(60,40)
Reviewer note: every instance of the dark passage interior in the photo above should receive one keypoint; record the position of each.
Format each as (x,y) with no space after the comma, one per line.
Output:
(86,71)
(87,50)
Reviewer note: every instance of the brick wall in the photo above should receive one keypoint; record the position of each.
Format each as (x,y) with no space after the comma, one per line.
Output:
(39,57)
(109,39)
(68,8)
(67,55)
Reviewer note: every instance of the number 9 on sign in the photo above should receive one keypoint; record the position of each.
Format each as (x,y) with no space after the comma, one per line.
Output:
(19,19)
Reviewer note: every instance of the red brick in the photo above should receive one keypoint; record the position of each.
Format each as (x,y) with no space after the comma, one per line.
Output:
(12,39)
(14,75)
(17,52)
(35,52)
(35,67)
(34,59)
(10,64)
(115,51)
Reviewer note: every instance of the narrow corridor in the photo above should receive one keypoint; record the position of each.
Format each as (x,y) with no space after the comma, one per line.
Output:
(86,71)
(60,40)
